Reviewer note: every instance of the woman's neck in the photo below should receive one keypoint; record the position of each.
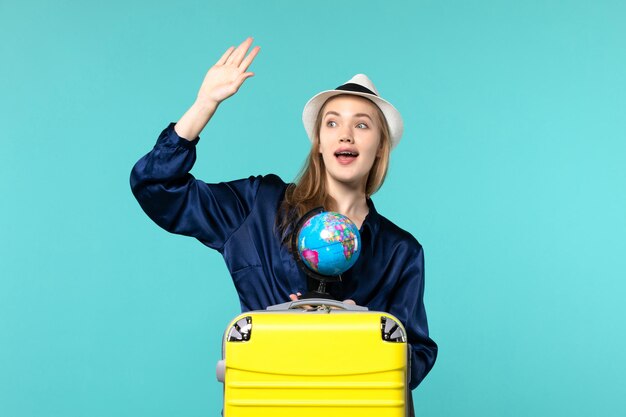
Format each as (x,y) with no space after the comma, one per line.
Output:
(350,201)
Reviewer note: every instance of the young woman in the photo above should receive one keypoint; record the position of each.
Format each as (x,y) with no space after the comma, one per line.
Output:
(249,221)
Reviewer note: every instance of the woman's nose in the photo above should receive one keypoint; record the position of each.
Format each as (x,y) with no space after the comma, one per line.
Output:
(346,138)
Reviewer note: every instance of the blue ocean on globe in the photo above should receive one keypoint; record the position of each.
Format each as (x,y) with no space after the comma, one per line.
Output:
(329,243)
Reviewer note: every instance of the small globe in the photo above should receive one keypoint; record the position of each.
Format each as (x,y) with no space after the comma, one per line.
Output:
(329,243)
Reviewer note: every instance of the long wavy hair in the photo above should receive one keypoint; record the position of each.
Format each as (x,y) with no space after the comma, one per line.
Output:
(309,189)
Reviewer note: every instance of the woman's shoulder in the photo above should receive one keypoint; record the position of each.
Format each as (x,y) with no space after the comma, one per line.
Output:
(273,180)
(269,183)
(396,235)
(259,187)
(267,180)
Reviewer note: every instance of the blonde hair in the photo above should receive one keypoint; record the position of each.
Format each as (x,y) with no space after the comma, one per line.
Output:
(309,189)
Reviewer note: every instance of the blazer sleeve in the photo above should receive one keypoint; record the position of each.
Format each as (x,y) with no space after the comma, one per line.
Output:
(179,203)
(407,304)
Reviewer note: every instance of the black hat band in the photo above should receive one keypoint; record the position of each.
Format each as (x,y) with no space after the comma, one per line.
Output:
(357,88)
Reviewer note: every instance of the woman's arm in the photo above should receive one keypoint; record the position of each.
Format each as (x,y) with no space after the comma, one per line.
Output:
(181,204)
(161,181)
(221,81)
(407,304)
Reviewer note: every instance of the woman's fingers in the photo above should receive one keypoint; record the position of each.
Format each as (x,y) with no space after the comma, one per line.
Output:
(248,60)
(296,297)
(224,57)
(237,56)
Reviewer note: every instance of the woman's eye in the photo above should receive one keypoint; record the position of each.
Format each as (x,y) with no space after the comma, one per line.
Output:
(362,126)
(331,124)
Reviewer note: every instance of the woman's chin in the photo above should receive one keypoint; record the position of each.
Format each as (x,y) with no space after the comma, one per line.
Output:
(348,181)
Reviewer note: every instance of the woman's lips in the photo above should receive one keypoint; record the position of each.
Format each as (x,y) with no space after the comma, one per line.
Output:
(346,155)
(346,159)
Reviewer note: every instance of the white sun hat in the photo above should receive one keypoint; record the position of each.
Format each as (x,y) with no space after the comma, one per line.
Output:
(359,85)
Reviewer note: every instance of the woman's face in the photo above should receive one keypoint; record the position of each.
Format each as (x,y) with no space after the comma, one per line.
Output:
(350,135)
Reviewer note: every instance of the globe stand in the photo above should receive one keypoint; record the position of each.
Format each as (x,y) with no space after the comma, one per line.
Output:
(320,293)
(321,288)
(323,279)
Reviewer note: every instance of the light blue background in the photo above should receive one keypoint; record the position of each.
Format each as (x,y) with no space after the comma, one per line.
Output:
(511,173)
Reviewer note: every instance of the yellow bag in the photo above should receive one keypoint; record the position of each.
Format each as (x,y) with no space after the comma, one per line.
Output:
(343,361)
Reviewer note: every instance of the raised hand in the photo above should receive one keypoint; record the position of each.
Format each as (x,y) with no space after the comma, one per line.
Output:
(220,82)
(228,74)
